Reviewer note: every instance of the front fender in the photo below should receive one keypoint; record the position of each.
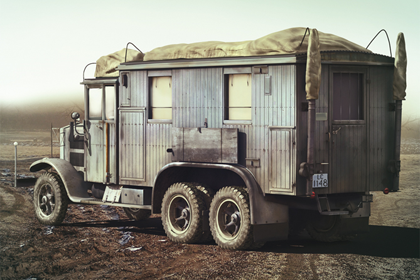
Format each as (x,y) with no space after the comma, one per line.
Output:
(72,180)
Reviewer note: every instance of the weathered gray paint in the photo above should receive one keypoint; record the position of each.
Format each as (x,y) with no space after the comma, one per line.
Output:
(382,127)
(356,157)
(132,146)
(274,139)
(158,140)
(95,152)
(198,94)
(72,180)
(214,145)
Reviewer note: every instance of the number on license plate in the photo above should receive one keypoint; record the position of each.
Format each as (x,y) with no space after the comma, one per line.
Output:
(320,181)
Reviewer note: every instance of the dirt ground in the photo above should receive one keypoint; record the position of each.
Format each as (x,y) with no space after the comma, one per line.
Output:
(97,242)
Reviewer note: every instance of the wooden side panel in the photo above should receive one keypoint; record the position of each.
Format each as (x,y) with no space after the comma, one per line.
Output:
(205,145)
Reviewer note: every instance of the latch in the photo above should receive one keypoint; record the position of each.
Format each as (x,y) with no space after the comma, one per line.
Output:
(335,132)
(252,162)
(260,70)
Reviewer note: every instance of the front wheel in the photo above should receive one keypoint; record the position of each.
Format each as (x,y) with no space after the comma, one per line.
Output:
(182,209)
(230,219)
(50,199)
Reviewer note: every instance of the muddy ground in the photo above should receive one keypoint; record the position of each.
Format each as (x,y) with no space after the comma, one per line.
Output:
(97,242)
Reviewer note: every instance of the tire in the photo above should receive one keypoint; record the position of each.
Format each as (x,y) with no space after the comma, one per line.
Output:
(137,214)
(182,209)
(325,228)
(50,199)
(230,222)
(207,195)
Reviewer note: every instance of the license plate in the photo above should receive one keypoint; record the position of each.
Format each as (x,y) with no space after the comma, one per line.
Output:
(320,181)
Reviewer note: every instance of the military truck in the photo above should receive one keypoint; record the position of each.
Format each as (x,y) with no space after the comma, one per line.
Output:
(242,142)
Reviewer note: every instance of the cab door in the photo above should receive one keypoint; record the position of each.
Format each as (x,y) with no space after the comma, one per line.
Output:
(100,133)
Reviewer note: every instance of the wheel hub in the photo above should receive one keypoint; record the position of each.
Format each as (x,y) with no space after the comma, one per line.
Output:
(47,203)
(229,217)
(179,213)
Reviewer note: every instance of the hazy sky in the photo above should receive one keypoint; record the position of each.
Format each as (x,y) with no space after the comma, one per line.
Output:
(44,45)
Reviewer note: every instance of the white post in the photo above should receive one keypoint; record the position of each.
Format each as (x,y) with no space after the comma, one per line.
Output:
(16,143)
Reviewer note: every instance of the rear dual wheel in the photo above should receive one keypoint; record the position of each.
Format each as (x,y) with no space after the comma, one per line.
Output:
(184,216)
(182,209)
(230,222)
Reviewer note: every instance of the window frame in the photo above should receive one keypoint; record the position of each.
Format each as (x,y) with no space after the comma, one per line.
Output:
(103,95)
(226,74)
(349,70)
(158,74)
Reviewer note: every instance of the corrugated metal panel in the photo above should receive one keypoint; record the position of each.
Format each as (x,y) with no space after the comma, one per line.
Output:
(348,163)
(132,146)
(321,126)
(112,153)
(282,160)
(125,89)
(139,88)
(158,140)
(277,109)
(197,94)
(322,140)
(382,128)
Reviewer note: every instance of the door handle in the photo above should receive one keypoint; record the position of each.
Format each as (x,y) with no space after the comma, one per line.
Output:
(335,132)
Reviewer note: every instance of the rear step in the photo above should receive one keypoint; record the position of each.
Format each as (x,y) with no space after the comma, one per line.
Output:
(327,210)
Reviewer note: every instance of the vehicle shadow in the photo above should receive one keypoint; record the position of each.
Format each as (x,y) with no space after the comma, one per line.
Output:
(381,241)
(149,226)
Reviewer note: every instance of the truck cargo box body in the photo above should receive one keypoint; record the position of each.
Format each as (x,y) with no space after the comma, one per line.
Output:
(354,120)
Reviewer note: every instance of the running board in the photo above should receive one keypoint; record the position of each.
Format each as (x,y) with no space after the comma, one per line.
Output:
(97,201)
(328,211)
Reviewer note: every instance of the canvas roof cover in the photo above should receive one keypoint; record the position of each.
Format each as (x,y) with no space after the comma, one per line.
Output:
(287,41)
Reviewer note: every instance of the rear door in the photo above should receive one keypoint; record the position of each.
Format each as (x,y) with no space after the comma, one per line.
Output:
(348,130)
